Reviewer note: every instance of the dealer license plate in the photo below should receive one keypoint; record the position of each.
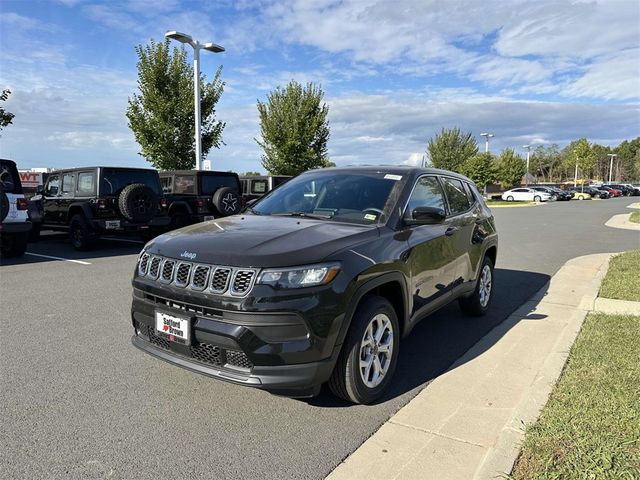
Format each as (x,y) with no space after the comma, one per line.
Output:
(112,224)
(173,327)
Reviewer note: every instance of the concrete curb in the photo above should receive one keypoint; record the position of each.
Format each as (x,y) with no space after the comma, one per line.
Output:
(634,205)
(613,306)
(622,221)
(469,422)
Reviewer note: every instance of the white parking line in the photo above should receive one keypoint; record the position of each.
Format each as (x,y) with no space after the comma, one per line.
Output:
(57,258)
(128,240)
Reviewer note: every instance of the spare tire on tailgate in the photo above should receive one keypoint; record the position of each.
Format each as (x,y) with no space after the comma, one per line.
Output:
(4,204)
(227,201)
(138,203)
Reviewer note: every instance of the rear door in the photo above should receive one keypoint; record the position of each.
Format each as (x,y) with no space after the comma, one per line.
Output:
(462,223)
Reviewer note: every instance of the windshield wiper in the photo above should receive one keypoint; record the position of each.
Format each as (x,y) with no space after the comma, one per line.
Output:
(302,214)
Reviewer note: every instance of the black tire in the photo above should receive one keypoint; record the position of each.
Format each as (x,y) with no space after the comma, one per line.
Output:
(179,219)
(509,198)
(138,203)
(4,205)
(34,233)
(226,201)
(537,198)
(473,305)
(346,380)
(13,244)
(81,234)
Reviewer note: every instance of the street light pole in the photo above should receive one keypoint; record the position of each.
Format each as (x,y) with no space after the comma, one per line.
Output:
(611,157)
(526,176)
(197,46)
(486,136)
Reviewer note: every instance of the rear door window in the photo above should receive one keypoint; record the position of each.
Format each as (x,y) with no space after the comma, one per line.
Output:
(456,195)
(211,183)
(184,184)
(86,183)
(167,184)
(259,186)
(114,180)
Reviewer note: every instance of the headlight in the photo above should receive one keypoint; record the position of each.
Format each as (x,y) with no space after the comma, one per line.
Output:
(298,277)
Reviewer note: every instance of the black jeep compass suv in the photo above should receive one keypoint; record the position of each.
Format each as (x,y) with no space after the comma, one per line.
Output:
(318,281)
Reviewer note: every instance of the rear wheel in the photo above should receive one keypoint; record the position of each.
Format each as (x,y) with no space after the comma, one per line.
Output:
(537,198)
(13,244)
(81,234)
(369,355)
(580,197)
(478,302)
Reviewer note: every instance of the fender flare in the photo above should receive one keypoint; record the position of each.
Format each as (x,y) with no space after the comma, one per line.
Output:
(179,204)
(363,290)
(84,206)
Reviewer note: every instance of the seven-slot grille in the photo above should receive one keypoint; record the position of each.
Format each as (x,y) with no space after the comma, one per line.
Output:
(215,279)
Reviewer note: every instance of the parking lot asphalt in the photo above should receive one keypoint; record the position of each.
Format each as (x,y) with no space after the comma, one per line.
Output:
(77,400)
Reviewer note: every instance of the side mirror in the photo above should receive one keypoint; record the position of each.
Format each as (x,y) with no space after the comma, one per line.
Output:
(40,190)
(426,216)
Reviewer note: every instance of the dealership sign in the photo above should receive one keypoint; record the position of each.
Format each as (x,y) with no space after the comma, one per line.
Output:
(31,179)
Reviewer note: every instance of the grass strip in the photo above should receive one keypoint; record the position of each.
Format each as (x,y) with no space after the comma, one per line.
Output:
(590,427)
(635,217)
(622,281)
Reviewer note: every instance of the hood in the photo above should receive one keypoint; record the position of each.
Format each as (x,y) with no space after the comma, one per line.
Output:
(260,241)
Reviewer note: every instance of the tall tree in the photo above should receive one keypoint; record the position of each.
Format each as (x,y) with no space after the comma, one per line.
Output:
(583,157)
(451,148)
(162,115)
(294,129)
(6,118)
(481,169)
(510,168)
(627,163)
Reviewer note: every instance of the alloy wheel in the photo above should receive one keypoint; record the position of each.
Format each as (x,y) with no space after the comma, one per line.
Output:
(376,350)
(484,289)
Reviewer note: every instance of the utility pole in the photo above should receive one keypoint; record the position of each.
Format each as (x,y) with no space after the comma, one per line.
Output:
(486,136)
(611,157)
(526,176)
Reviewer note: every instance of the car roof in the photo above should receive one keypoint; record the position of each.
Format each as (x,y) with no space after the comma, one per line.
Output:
(393,169)
(192,172)
(57,170)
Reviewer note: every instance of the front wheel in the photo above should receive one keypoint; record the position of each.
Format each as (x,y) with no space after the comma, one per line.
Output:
(580,197)
(478,302)
(369,355)
(537,199)
(509,198)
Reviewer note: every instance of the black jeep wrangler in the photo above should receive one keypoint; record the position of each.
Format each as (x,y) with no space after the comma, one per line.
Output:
(92,201)
(199,195)
(319,281)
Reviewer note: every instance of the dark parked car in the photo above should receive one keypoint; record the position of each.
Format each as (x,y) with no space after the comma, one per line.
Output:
(91,201)
(594,192)
(611,191)
(556,193)
(255,187)
(626,190)
(14,220)
(197,196)
(318,281)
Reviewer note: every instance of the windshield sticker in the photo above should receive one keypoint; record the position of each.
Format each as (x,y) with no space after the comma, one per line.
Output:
(369,216)
(390,176)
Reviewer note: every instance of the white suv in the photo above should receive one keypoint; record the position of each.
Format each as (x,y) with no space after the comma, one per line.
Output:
(14,218)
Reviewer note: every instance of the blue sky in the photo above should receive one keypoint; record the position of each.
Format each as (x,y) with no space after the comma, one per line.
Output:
(394,72)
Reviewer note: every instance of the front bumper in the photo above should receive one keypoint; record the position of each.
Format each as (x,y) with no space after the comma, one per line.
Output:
(15,227)
(286,351)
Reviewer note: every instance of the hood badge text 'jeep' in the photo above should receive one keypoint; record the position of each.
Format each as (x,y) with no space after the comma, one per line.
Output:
(188,255)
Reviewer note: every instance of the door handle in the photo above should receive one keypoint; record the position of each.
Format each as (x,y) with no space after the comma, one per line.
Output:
(451,230)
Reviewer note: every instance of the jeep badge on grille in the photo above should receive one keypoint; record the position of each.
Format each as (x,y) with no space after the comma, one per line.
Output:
(188,255)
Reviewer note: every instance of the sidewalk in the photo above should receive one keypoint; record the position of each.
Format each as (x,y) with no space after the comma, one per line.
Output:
(469,422)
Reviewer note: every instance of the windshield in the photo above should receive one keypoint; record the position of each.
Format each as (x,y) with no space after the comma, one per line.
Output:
(114,180)
(361,197)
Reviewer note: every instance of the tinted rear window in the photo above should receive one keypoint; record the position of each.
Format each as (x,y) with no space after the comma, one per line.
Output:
(9,177)
(210,184)
(114,180)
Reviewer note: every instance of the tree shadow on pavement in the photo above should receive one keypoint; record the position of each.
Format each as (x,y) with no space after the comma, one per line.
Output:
(443,337)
